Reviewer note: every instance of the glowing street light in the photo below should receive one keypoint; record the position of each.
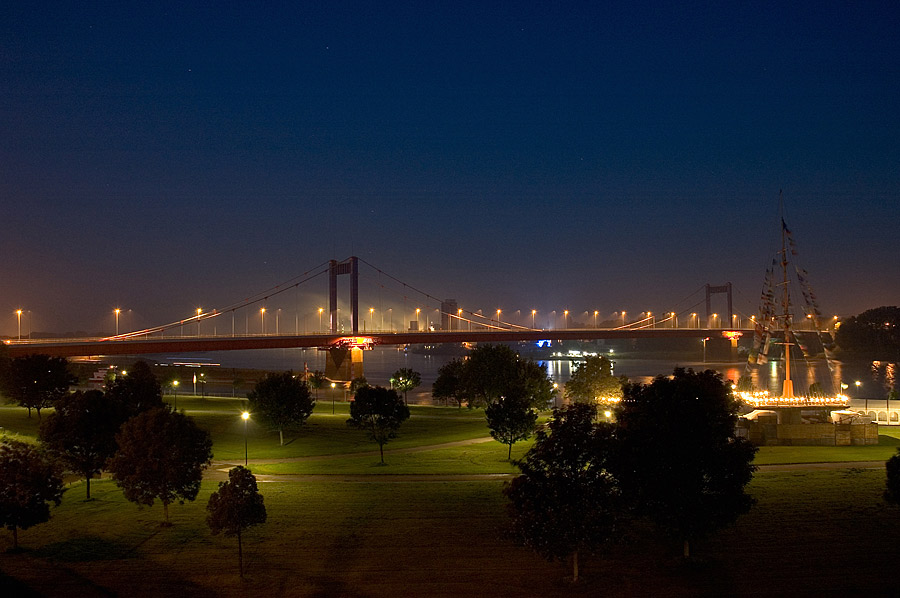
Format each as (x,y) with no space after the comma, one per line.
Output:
(19,317)
(175,393)
(332,397)
(459,318)
(321,309)
(245,416)
(117,311)
(417,316)
(566,318)
(595,317)
(498,318)
(371,317)
(199,311)
(262,318)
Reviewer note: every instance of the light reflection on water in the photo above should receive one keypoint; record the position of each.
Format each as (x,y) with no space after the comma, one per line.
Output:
(877,378)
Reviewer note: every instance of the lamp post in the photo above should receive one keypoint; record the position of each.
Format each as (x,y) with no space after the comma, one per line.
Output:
(262,319)
(199,311)
(533,313)
(371,317)
(117,311)
(175,393)
(19,318)
(245,416)
(332,398)
(321,309)
(858,384)
(417,316)
(595,317)
(498,318)
(566,318)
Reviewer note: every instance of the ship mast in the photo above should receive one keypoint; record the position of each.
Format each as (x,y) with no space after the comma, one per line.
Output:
(788,389)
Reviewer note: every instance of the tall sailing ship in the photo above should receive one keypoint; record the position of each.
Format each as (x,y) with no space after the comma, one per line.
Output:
(774,327)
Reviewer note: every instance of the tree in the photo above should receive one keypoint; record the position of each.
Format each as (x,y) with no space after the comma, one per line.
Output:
(29,482)
(357,383)
(449,384)
(892,492)
(317,380)
(405,380)
(135,392)
(594,382)
(510,419)
(36,381)
(282,400)
(82,432)
(566,500)
(681,463)
(873,335)
(491,372)
(236,506)
(379,411)
(161,455)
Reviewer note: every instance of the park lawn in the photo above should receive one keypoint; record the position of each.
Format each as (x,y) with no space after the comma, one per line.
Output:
(327,434)
(482,458)
(15,423)
(810,534)
(888,442)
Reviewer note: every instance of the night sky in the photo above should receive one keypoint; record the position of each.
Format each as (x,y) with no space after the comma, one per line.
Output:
(509,155)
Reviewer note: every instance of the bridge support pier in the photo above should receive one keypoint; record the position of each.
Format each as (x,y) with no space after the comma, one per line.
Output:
(343,365)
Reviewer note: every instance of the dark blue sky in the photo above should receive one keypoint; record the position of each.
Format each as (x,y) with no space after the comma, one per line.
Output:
(550,156)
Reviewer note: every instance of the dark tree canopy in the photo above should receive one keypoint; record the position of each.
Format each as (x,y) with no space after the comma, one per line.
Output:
(36,381)
(135,392)
(491,372)
(162,456)
(449,384)
(316,380)
(357,383)
(236,506)
(282,401)
(873,334)
(405,380)
(892,492)
(566,500)
(379,411)
(681,463)
(593,382)
(510,419)
(29,482)
(82,432)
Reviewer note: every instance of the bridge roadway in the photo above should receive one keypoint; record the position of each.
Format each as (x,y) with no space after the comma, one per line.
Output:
(188,344)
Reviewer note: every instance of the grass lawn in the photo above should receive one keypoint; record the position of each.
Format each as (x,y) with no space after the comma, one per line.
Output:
(823,533)
(888,441)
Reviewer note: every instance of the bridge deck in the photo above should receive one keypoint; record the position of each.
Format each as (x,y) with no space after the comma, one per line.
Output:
(187,344)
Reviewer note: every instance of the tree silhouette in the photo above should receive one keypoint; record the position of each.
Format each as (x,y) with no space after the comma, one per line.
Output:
(236,506)
(450,384)
(593,382)
(566,501)
(162,456)
(405,380)
(36,381)
(316,381)
(82,432)
(282,401)
(135,392)
(379,411)
(681,463)
(510,419)
(892,492)
(29,482)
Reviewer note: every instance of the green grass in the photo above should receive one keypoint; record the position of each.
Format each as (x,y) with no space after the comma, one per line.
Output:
(811,534)
(483,458)
(888,442)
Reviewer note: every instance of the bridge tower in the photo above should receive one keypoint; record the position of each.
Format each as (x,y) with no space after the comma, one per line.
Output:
(711,290)
(349,266)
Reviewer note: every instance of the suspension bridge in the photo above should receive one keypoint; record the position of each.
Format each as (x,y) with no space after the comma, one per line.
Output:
(262,321)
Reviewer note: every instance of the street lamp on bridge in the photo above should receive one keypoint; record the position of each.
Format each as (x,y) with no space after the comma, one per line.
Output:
(595,317)
(199,311)
(262,319)
(533,313)
(117,311)
(19,318)
(321,309)
(566,319)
